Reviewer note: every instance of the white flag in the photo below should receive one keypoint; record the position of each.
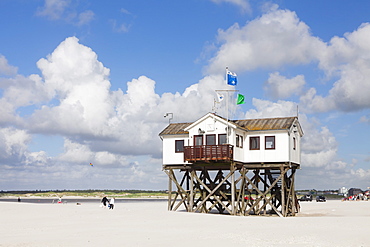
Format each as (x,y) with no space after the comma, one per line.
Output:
(220,97)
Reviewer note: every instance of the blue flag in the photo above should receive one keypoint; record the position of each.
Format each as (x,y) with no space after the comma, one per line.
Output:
(231,78)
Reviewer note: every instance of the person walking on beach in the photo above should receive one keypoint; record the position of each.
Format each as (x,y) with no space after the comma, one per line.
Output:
(104,201)
(111,203)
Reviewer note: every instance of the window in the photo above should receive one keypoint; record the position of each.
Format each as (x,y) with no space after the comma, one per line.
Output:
(179,146)
(294,143)
(254,143)
(239,141)
(210,139)
(269,142)
(198,140)
(221,139)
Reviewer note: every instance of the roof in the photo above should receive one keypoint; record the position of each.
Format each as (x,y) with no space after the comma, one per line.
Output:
(175,129)
(191,125)
(266,123)
(283,123)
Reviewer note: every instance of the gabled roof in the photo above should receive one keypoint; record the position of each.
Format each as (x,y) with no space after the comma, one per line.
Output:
(175,129)
(266,123)
(283,123)
(221,119)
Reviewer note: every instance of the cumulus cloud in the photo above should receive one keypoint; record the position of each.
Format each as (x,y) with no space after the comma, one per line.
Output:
(319,146)
(275,39)
(265,108)
(278,39)
(113,129)
(280,87)
(5,68)
(118,131)
(24,91)
(345,58)
(13,145)
(320,162)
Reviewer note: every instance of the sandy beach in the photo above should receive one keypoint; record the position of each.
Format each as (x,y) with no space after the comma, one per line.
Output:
(332,223)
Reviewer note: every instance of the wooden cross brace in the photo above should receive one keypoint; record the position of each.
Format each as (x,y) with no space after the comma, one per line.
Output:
(263,195)
(180,191)
(212,192)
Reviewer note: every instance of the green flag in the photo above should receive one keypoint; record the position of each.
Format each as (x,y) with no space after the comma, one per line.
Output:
(240,99)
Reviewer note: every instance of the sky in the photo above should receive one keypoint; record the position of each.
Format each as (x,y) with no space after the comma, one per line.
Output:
(88,81)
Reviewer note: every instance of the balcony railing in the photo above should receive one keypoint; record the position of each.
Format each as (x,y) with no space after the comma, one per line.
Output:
(208,153)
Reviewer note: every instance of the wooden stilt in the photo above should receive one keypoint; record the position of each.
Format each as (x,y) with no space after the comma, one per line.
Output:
(229,187)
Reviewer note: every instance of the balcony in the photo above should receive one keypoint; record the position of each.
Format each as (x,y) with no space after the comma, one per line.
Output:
(208,153)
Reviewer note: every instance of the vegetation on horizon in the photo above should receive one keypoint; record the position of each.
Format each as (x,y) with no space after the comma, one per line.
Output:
(86,193)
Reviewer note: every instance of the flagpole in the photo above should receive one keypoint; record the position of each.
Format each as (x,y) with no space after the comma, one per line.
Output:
(227,118)
(227,110)
(234,81)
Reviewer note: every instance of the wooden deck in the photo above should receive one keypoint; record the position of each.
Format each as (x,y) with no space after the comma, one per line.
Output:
(208,153)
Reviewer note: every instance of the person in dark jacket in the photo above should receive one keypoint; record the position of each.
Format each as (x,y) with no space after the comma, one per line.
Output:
(105,201)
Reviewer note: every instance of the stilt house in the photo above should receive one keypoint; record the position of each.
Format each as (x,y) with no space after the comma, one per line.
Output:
(240,167)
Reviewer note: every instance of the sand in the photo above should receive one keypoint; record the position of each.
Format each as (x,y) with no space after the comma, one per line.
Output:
(333,223)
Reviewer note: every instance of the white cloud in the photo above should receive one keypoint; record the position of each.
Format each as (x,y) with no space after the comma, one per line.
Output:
(275,39)
(5,68)
(13,144)
(319,146)
(112,129)
(39,158)
(83,93)
(363,174)
(53,9)
(365,119)
(278,38)
(120,27)
(348,60)
(280,87)
(311,102)
(30,88)
(321,165)
(243,4)
(120,129)
(85,17)
(64,10)
(265,108)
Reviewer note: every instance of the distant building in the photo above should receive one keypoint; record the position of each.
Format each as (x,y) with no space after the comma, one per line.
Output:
(343,191)
(354,191)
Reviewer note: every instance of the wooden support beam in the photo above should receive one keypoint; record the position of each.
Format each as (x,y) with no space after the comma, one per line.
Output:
(180,190)
(232,168)
(169,193)
(191,198)
(263,195)
(282,191)
(212,192)
(208,186)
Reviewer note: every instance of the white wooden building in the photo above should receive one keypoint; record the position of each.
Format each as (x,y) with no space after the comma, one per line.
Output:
(243,167)
(266,140)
